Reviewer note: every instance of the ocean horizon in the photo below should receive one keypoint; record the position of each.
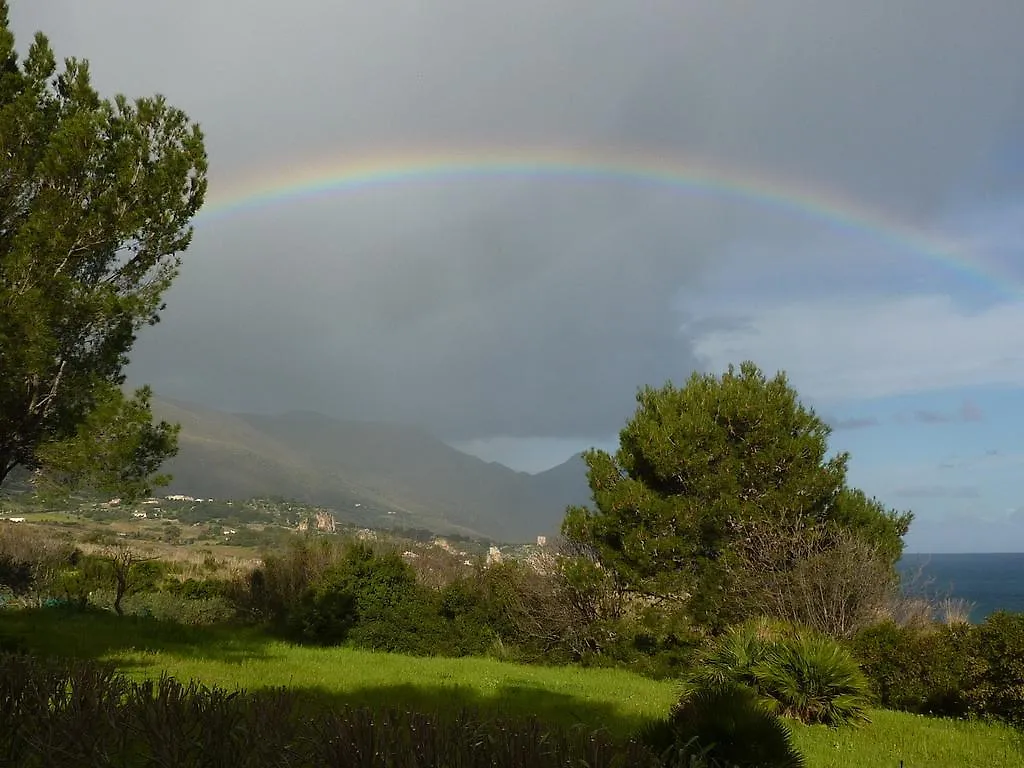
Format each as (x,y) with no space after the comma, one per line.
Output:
(989,581)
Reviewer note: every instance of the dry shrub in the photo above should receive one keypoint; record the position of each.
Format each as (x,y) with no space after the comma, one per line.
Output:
(565,608)
(821,577)
(269,591)
(919,606)
(436,567)
(36,553)
(954,610)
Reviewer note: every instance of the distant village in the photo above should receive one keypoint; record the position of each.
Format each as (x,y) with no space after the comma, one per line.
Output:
(319,520)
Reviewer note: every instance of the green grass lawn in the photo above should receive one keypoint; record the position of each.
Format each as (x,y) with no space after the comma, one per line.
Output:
(615,700)
(919,742)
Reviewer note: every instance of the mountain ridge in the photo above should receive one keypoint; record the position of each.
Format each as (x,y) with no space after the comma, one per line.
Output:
(373,473)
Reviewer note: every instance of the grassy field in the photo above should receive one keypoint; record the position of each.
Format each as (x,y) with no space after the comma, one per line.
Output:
(611,699)
(897,738)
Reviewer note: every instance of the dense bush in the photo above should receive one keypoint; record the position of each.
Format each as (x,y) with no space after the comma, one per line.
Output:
(914,670)
(658,641)
(953,670)
(270,592)
(373,599)
(195,589)
(330,591)
(83,713)
(15,574)
(794,671)
(324,613)
(723,725)
(169,607)
(997,680)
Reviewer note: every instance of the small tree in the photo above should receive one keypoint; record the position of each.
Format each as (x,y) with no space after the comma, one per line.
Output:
(699,463)
(95,201)
(123,562)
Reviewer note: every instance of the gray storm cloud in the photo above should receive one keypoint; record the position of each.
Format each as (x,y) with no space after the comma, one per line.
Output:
(481,308)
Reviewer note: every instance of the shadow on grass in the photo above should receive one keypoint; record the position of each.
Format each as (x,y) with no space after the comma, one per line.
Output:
(95,634)
(98,635)
(508,702)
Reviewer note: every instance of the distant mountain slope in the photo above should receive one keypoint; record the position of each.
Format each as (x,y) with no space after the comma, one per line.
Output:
(565,484)
(367,472)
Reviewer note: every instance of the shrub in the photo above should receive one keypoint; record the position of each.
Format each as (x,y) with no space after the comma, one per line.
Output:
(16,575)
(950,670)
(325,612)
(829,578)
(996,685)
(167,606)
(270,592)
(922,671)
(733,657)
(794,671)
(653,640)
(723,725)
(30,563)
(815,680)
(373,600)
(195,589)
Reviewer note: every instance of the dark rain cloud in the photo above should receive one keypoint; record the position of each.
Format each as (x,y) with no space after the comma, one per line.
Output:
(518,308)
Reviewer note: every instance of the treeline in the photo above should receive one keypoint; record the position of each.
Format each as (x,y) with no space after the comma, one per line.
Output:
(324,590)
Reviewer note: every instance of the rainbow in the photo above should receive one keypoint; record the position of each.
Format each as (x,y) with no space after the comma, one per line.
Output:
(347,175)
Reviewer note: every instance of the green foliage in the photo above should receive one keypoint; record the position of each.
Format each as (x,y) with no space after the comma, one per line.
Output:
(723,725)
(697,463)
(196,589)
(795,672)
(953,670)
(884,529)
(270,592)
(96,200)
(997,685)
(169,607)
(326,611)
(737,655)
(116,449)
(919,671)
(327,593)
(653,640)
(815,680)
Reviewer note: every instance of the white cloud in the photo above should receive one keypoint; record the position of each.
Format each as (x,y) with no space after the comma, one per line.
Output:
(854,349)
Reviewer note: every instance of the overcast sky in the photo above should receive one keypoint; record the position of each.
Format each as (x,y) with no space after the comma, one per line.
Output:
(516,317)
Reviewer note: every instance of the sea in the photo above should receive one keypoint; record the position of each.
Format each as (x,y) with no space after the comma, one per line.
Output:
(991,581)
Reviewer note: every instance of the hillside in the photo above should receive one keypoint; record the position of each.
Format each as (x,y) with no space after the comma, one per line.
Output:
(376,474)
